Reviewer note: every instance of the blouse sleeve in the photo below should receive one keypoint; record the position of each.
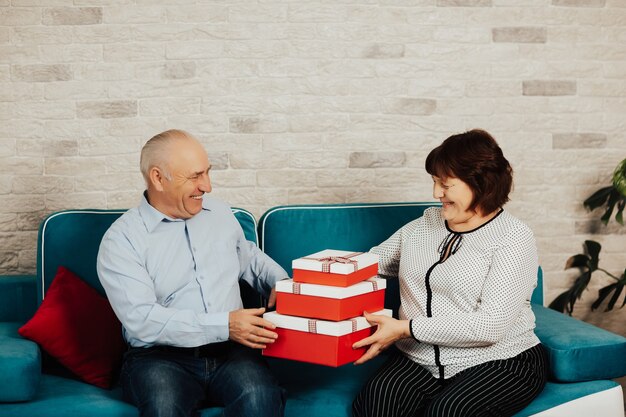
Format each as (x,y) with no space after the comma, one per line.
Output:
(389,251)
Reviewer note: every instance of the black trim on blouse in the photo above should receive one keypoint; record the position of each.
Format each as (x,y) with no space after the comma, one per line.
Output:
(476,228)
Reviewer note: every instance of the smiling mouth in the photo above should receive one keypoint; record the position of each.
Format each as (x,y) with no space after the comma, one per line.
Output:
(197,197)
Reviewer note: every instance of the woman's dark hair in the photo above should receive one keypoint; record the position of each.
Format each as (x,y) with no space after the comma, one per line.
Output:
(475,158)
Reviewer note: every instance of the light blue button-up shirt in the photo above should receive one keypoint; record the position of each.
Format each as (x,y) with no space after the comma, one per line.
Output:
(173,281)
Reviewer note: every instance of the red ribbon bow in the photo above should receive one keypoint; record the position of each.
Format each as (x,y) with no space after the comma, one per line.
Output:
(345,259)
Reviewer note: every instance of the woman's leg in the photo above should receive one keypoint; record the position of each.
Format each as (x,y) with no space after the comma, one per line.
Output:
(400,388)
(498,388)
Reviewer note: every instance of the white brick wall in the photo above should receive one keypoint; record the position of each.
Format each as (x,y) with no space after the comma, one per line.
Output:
(301,102)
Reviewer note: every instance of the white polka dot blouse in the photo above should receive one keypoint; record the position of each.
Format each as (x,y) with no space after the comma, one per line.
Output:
(466,294)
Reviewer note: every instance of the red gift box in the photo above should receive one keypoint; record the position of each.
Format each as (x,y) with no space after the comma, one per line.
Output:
(329,303)
(318,341)
(335,267)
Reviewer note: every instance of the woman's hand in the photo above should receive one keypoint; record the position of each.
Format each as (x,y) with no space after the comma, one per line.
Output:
(271,301)
(387,332)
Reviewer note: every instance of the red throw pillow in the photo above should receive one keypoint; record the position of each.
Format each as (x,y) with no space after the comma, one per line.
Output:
(78,328)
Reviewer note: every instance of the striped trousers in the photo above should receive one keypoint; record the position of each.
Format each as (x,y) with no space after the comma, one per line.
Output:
(402,388)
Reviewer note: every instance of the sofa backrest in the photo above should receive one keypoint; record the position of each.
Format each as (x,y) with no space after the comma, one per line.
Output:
(289,232)
(71,238)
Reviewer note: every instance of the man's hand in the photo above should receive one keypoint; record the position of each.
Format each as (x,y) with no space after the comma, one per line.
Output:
(388,331)
(246,326)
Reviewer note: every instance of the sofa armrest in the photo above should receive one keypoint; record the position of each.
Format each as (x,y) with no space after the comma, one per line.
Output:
(20,361)
(579,351)
(18,297)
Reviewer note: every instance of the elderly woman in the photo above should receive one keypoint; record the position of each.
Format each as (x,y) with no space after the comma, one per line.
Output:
(465,340)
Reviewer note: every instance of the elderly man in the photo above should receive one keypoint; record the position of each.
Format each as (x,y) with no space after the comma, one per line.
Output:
(171,269)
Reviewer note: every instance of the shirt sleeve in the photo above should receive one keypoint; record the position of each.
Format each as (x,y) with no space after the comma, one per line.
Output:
(506,292)
(131,292)
(257,268)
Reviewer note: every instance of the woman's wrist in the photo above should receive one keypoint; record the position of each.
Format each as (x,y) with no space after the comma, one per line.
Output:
(406,329)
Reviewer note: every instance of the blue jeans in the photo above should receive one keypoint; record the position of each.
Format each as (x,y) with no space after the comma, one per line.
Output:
(170,384)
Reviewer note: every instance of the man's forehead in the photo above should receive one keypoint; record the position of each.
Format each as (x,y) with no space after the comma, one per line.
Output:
(189,157)
(201,171)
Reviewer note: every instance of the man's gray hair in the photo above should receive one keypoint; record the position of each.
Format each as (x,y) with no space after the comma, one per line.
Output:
(155,152)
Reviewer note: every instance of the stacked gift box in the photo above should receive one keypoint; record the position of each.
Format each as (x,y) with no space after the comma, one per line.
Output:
(319,313)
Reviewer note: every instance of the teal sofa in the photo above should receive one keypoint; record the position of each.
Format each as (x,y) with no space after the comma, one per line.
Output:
(583,359)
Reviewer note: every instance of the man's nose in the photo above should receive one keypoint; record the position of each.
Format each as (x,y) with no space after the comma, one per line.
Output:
(205,185)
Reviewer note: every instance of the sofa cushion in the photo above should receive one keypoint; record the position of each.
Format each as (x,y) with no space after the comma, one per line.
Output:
(78,328)
(72,238)
(316,390)
(290,232)
(20,361)
(576,399)
(63,397)
(58,396)
(312,391)
(579,351)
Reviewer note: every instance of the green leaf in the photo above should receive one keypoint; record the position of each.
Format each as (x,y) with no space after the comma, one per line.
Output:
(561,303)
(602,294)
(619,178)
(614,200)
(579,286)
(577,261)
(598,198)
(614,197)
(618,290)
(619,217)
(622,279)
(593,249)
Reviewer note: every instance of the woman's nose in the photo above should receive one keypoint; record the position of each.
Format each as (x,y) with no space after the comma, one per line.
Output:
(437,191)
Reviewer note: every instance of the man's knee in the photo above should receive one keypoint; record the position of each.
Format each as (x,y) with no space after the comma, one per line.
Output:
(163,402)
(163,406)
(261,394)
(258,400)
(160,388)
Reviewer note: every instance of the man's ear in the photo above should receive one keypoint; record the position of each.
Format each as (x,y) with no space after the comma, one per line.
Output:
(156,178)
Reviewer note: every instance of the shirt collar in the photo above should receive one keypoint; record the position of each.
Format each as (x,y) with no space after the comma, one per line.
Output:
(152,217)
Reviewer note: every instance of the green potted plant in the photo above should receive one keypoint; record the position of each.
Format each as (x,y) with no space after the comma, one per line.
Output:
(613,196)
